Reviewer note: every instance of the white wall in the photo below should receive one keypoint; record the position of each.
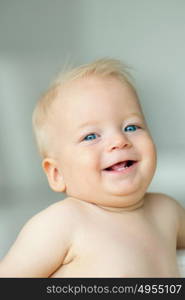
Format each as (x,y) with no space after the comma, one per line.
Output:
(36,38)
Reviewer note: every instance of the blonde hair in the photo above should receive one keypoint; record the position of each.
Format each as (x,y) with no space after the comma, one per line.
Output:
(105,67)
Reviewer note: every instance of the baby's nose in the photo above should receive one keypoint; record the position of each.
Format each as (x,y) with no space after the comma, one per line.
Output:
(119,141)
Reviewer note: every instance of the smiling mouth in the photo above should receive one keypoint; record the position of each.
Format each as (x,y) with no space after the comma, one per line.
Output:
(121,165)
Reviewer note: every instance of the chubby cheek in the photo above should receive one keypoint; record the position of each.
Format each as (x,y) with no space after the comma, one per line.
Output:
(89,159)
(80,170)
(77,164)
(149,155)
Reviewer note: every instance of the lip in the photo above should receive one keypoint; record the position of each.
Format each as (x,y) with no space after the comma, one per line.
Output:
(122,170)
(119,161)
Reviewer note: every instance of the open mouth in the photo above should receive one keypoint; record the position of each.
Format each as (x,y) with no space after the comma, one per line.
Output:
(121,165)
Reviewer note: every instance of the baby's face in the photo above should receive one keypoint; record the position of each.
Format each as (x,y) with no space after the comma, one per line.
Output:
(104,151)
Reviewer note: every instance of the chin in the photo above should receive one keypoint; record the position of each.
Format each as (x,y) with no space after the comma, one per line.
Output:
(128,190)
(126,203)
(127,196)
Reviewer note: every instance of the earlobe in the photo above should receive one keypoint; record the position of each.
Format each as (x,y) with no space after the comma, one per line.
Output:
(55,178)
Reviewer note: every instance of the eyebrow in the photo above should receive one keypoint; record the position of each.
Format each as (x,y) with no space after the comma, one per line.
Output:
(88,123)
(91,123)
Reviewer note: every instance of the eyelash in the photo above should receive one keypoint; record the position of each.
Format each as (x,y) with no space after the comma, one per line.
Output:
(136,127)
(90,134)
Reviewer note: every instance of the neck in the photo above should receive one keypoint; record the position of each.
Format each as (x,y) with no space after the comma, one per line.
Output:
(127,208)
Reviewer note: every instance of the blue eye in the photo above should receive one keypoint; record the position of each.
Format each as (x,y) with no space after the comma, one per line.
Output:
(90,137)
(131,128)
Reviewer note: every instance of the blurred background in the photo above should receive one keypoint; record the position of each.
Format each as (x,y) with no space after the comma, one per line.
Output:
(36,39)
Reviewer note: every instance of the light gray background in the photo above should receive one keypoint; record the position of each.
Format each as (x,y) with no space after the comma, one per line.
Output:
(37,37)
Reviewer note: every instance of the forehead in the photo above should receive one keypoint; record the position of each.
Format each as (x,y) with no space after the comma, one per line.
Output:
(89,96)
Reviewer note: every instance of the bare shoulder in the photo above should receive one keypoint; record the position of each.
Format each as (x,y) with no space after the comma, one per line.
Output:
(163,211)
(60,214)
(160,200)
(163,207)
(169,214)
(46,238)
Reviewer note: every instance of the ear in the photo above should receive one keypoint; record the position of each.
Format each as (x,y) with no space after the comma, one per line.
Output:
(55,179)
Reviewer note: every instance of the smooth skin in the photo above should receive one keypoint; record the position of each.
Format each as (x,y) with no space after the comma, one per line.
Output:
(108,226)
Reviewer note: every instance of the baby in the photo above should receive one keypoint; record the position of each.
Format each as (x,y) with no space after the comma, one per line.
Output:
(96,148)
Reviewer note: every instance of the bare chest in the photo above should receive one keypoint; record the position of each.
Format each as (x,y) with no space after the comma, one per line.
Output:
(135,249)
